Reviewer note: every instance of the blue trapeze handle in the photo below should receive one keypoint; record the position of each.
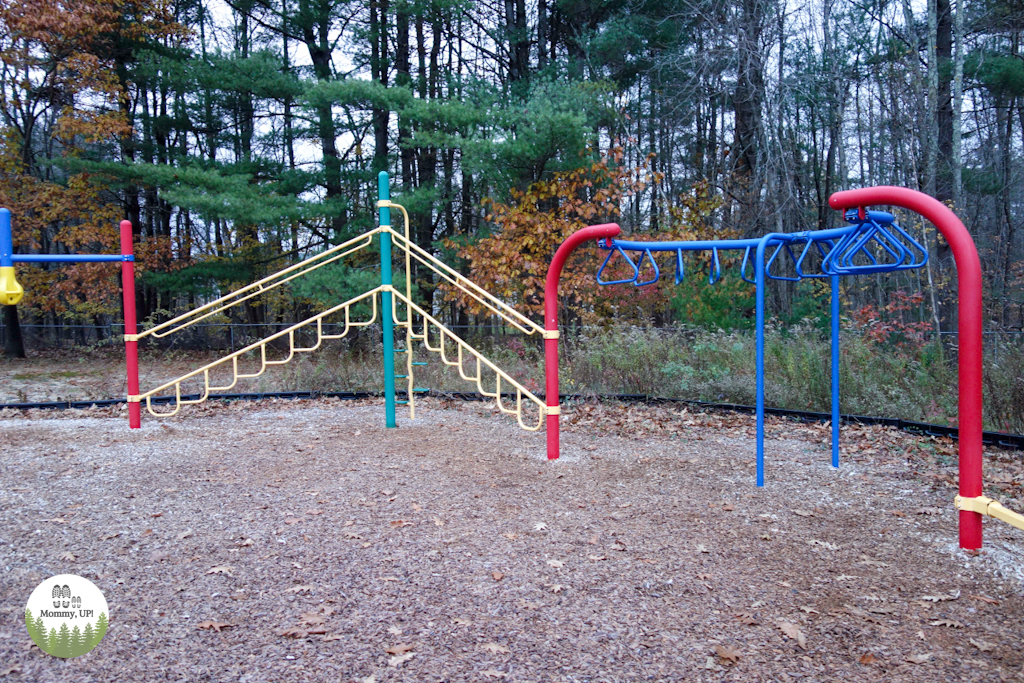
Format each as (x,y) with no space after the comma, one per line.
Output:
(657,273)
(771,260)
(715,272)
(680,269)
(612,249)
(743,267)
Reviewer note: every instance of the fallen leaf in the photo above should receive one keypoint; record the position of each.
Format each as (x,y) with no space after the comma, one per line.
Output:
(157,514)
(295,632)
(184,534)
(491,673)
(222,569)
(898,513)
(399,660)
(621,547)
(929,511)
(702,549)
(107,537)
(497,576)
(400,649)
(246,543)
(824,544)
(333,636)
(462,622)
(802,513)
(982,645)
(68,557)
(919,659)
(555,587)
(557,564)
(495,648)
(511,536)
(299,589)
(985,599)
(793,631)
(727,654)
(949,623)
(311,619)
(810,610)
(159,556)
(416,507)
(215,625)
(728,507)
(438,521)
(746,618)
(293,520)
(625,505)
(940,598)
(540,526)
(868,658)
(399,523)
(314,512)
(12,669)
(597,558)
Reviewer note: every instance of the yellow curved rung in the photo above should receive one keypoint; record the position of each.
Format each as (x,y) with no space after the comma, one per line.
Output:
(262,346)
(261,286)
(464,347)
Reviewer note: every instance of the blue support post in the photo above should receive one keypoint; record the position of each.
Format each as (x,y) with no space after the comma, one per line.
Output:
(6,241)
(835,370)
(387,301)
(759,277)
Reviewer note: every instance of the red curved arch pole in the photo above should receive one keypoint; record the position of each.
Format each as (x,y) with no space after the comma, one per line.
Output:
(593,232)
(968,267)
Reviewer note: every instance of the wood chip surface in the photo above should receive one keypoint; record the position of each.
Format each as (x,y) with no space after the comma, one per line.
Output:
(332,549)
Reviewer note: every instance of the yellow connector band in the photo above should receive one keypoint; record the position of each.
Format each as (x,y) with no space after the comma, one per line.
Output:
(131,337)
(551,334)
(554,410)
(10,290)
(134,398)
(990,508)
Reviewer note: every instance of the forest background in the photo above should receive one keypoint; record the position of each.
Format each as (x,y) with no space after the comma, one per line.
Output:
(239,136)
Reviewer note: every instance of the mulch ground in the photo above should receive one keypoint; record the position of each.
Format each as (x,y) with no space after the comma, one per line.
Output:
(302,541)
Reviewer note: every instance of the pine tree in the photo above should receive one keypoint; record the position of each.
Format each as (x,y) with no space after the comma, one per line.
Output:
(101,628)
(30,624)
(52,642)
(77,645)
(88,638)
(41,630)
(64,642)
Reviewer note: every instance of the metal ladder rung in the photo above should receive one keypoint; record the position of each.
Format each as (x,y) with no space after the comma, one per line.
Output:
(420,390)
(401,376)
(402,403)
(416,362)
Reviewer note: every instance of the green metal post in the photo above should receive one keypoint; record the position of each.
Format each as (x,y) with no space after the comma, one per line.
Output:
(387,301)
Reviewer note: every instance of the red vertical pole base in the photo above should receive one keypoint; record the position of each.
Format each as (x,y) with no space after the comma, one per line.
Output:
(553,437)
(134,415)
(970,530)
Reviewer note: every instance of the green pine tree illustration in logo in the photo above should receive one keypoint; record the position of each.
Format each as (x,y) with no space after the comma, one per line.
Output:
(52,642)
(36,630)
(88,637)
(77,644)
(64,642)
(101,627)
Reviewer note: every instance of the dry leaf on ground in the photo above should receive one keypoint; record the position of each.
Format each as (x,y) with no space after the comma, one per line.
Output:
(214,625)
(793,632)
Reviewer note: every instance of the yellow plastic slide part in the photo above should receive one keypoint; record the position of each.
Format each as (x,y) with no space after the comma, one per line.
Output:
(10,290)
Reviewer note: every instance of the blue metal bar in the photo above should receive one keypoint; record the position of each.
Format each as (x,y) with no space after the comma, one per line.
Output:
(680,268)
(835,370)
(6,241)
(715,271)
(71,258)
(657,273)
(759,270)
(387,301)
(611,252)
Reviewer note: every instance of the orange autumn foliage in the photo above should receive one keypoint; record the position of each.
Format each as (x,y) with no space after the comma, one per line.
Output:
(513,261)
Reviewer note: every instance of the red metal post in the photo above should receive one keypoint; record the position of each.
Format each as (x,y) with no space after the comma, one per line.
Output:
(968,267)
(593,232)
(131,347)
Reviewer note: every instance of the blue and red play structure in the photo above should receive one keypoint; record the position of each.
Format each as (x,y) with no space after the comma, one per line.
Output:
(873,242)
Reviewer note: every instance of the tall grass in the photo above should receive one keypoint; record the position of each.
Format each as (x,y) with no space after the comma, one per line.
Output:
(875,379)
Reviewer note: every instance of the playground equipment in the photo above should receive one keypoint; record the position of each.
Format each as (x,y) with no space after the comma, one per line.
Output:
(11,291)
(396,309)
(872,243)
